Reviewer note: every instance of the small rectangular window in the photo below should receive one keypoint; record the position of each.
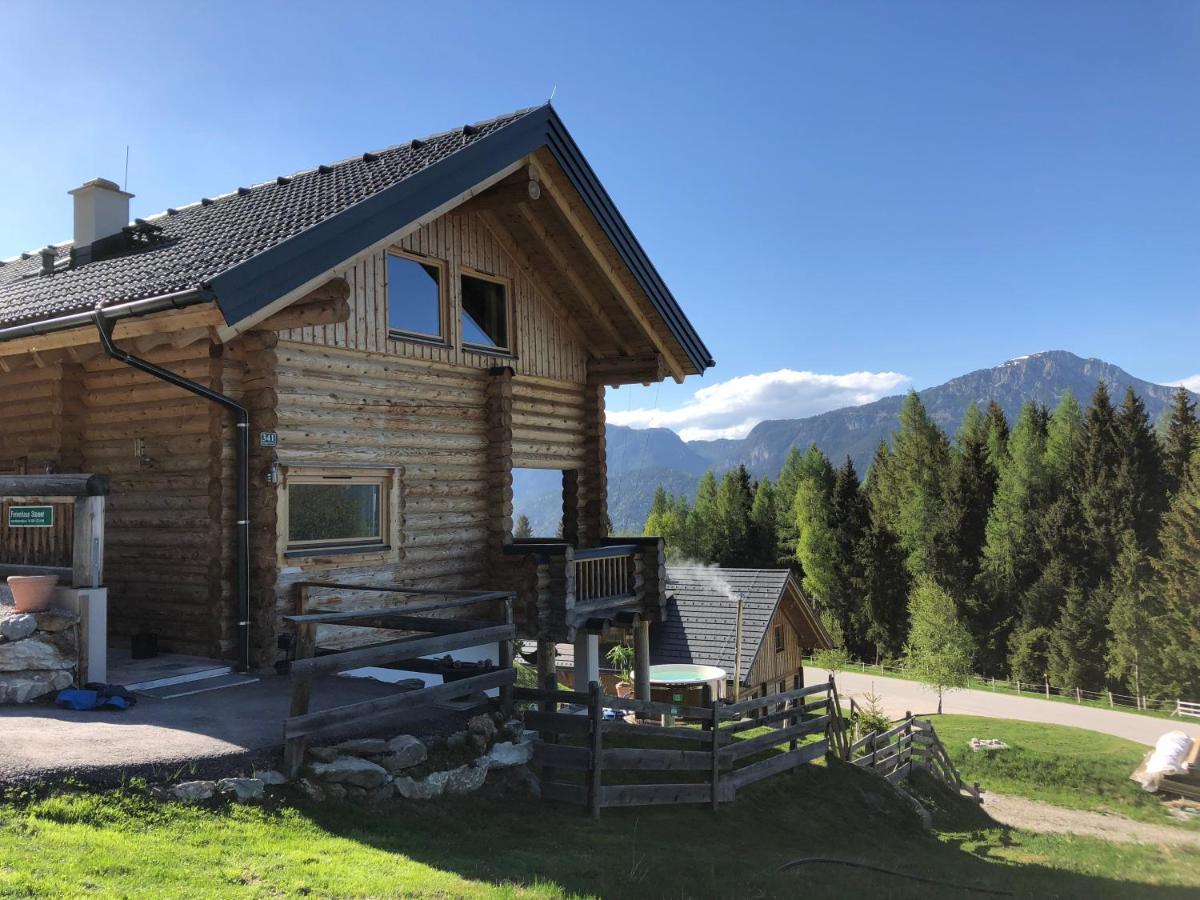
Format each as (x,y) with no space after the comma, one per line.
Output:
(414,297)
(334,511)
(780,644)
(484,312)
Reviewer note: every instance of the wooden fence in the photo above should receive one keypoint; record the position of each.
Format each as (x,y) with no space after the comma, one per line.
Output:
(587,749)
(911,743)
(426,635)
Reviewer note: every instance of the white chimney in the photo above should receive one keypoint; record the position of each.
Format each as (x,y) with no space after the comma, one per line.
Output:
(101,210)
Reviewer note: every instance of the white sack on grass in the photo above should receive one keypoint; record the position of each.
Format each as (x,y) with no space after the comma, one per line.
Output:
(1167,759)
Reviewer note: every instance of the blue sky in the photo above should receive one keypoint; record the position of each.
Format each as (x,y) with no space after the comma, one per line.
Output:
(918,189)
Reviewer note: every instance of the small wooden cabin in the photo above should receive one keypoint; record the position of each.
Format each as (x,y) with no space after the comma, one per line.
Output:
(778,625)
(330,377)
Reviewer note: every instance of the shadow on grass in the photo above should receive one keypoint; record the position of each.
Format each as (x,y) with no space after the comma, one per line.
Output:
(688,851)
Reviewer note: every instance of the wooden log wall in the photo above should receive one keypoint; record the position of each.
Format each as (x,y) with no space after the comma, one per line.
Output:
(35,404)
(772,669)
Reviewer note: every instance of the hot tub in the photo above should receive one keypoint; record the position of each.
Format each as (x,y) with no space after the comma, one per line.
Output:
(683,684)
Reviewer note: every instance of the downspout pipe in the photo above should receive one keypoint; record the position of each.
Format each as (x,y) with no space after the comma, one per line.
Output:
(104,325)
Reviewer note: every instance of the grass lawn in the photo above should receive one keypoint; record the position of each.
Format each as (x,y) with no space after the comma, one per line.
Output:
(122,843)
(1066,766)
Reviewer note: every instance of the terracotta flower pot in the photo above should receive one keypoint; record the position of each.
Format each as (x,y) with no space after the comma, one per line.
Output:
(624,689)
(32,593)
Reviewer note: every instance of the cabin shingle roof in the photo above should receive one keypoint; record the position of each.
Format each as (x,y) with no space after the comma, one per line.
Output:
(211,236)
(701,620)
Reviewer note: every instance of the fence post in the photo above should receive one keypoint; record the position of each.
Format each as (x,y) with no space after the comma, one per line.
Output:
(1077,697)
(715,725)
(596,711)
(1110,703)
(506,661)
(306,644)
(797,702)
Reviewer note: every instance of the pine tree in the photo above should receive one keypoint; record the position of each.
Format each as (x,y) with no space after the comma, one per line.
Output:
(1182,440)
(789,479)
(522,529)
(1064,438)
(660,506)
(939,651)
(703,519)
(762,527)
(1178,567)
(1076,657)
(735,496)
(1135,621)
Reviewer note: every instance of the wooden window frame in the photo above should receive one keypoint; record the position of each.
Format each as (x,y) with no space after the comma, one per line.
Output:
(510,317)
(388,480)
(419,337)
(780,639)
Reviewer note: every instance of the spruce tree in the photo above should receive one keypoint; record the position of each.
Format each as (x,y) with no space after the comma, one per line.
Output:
(1104,511)
(522,529)
(1011,558)
(1076,657)
(920,473)
(703,519)
(1141,475)
(997,434)
(733,538)
(883,587)
(1135,621)
(970,493)
(1178,568)
(1182,440)
(762,527)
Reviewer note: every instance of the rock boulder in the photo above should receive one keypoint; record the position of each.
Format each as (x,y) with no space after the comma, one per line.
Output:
(351,770)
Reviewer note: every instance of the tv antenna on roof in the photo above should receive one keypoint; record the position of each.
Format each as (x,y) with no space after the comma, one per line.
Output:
(125,185)
(553,91)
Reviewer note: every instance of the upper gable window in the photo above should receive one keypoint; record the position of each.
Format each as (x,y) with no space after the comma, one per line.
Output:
(485,312)
(780,641)
(414,297)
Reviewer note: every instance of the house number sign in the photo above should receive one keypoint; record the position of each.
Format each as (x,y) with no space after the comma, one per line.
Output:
(31,517)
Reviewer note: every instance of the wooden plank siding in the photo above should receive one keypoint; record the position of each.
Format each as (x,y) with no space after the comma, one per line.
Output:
(772,671)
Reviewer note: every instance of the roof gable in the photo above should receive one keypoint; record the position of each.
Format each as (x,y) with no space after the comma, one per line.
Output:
(256,245)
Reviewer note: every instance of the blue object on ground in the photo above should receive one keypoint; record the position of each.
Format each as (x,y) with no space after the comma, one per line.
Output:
(96,696)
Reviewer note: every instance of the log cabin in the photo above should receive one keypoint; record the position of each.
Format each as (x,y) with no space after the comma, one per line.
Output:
(764,651)
(330,376)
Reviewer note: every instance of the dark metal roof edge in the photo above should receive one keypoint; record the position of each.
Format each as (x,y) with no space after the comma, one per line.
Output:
(256,282)
(566,152)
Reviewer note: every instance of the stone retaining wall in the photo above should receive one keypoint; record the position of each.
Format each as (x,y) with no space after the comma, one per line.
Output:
(39,653)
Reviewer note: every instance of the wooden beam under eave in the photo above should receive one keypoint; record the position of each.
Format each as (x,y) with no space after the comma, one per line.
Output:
(627,370)
(562,202)
(328,304)
(563,266)
(201,316)
(503,196)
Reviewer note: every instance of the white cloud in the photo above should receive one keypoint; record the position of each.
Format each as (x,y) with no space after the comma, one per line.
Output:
(729,409)
(1192,384)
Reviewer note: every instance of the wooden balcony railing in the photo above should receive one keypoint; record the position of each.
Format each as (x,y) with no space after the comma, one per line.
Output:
(604,573)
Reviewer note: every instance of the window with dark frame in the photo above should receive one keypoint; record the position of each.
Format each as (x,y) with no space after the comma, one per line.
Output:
(780,644)
(414,298)
(335,511)
(484,312)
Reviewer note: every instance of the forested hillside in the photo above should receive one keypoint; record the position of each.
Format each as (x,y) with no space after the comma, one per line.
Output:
(1068,539)
(854,431)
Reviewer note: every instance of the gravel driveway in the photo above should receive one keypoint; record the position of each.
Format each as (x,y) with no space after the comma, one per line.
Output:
(898,695)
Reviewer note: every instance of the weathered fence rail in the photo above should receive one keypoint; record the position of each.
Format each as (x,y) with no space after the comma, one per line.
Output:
(580,748)
(425,636)
(911,743)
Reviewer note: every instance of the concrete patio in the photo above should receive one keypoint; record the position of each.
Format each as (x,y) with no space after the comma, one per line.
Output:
(211,733)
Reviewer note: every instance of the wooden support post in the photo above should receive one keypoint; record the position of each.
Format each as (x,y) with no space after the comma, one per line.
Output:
(641,660)
(506,661)
(547,672)
(87,542)
(798,703)
(715,782)
(293,749)
(707,700)
(595,779)
(498,407)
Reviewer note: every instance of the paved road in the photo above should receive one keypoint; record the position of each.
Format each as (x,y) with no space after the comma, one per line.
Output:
(898,695)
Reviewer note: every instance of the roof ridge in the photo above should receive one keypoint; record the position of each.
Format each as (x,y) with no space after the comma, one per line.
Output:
(274,182)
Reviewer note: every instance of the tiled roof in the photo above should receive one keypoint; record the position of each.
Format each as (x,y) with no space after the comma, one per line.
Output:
(701,622)
(208,237)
